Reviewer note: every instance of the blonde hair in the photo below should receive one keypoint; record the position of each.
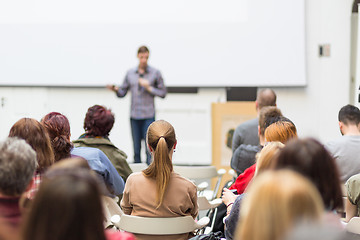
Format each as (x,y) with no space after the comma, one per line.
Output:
(281,131)
(275,202)
(161,139)
(264,159)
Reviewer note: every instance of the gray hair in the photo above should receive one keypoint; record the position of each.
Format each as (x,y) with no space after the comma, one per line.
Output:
(17,166)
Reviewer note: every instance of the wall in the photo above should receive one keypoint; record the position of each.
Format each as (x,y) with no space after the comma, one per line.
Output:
(313,108)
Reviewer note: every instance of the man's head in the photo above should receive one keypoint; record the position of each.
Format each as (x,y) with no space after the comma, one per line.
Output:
(265,97)
(98,121)
(143,56)
(17,166)
(267,113)
(349,118)
(349,115)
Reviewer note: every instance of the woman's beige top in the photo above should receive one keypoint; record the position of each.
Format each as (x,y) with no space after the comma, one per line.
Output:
(139,199)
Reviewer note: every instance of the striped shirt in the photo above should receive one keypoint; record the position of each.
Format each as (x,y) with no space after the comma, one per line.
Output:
(142,101)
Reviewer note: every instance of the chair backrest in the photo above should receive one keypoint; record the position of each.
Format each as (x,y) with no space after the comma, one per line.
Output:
(110,208)
(159,226)
(196,172)
(353,225)
(138,167)
(202,172)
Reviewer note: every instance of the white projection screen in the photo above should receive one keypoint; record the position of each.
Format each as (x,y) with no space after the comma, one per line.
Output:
(194,43)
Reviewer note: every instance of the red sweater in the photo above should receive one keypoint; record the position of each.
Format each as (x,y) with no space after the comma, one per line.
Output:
(243,179)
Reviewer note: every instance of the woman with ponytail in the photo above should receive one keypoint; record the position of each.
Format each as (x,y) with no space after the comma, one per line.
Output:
(58,128)
(158,191)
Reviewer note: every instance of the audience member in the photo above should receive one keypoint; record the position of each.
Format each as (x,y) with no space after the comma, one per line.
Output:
(158,191)
(345,149)
(17,167)
(58,127)
(247,132)
(310,158)
(282,131)
(98,124)
(244,156)
(68,206)
(275,202)
(36,135)
(233,202)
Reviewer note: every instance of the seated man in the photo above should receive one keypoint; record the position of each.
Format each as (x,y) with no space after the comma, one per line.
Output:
(98,124)
(244,155)
(17,167)
(345,149)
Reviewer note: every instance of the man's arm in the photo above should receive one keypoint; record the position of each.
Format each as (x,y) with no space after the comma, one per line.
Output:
(158,89)
(244,157)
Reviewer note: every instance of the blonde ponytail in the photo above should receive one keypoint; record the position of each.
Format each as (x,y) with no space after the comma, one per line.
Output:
(161,138)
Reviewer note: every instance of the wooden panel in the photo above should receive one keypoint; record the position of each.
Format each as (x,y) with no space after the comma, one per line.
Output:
(225,118)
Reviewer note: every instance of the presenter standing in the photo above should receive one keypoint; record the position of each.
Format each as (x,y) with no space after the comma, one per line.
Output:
(144,82)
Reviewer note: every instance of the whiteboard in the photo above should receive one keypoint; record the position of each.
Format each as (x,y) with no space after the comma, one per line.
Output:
(196,43)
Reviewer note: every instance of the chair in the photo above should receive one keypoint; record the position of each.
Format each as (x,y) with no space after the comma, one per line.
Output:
(200,173)
(158,226)
(138,167)
(353,225)
(110,208)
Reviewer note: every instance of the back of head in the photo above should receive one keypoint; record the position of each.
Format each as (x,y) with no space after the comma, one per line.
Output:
(310,158)
(277,200)
(17,166)
(281,131)
(349,115)
(98,121)
(266,97)
(265,114)
(58,127)
(67,206)
(35,134)
(161,139)
(265,158)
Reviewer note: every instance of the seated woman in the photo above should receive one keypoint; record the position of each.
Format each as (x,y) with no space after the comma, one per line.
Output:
(158,191)
(98,124)
(58,127)
(35,134)
(68,206)
(275,203)
(310,158)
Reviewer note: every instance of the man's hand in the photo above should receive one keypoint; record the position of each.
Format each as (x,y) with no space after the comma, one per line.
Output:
(112,87)
(145,83)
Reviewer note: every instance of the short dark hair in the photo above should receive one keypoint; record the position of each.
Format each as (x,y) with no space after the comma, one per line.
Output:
(265,114)
(310,158)
(143,49)
(98,121)
(349,114)
(58,127)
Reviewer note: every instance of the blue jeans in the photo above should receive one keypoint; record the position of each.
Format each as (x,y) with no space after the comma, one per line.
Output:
(138,131)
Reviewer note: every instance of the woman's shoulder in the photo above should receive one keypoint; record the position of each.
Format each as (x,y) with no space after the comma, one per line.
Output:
(116,235)
(177,177)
